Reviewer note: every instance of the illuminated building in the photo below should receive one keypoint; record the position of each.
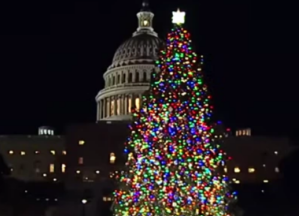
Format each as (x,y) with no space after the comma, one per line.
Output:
(128,77)
(33,157)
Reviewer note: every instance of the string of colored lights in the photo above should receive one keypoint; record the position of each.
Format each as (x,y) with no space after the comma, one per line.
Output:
(173,164)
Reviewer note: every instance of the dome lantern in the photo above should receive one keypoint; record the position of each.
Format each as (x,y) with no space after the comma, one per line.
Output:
(145,20)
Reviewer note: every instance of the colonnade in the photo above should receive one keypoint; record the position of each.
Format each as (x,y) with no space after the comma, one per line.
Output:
(118,105)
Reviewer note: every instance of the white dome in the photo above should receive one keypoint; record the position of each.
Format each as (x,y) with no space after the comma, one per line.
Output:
(140,49)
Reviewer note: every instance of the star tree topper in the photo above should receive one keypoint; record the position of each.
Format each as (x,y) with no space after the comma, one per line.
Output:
(178,17)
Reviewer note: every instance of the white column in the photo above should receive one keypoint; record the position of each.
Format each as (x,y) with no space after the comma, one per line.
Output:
(122,105)
(140,101)
(99,110)
(104,108)
(108,107)
(126,105)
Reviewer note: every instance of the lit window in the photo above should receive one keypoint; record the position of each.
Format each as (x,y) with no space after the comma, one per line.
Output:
(97,172)
(264,165)
(10,152)
(36,152)
(251,170)
(266,181)
(44,175)
(225,169)
(55,179)
(137,103)
(276,152)
(81,142)
(23,153)
(63,167)
(129,104)
(112,158)
(112,107)
(277,169)
(104,199)
(145,23)
(78,171)
(80,160)
(52,152)
(64,152)
(237,182)
(237,170)
(52,168)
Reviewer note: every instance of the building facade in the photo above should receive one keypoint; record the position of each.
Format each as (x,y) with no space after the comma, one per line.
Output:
(34,157)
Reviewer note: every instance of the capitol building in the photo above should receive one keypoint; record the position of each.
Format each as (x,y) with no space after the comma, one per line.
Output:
(128,76)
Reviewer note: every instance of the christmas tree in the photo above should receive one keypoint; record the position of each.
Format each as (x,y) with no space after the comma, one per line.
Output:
(174,167)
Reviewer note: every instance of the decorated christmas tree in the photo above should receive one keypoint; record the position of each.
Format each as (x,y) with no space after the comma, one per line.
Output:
(174,166)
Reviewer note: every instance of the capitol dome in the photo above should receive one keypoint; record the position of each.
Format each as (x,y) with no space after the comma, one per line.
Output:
(128,77)
(141,49)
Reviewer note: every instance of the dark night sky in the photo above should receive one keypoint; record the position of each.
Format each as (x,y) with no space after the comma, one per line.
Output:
(54,56)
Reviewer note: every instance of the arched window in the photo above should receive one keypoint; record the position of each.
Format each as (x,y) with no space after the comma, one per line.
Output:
(144,77)
(137,77)
(113,80)
(124,78)
(130,77)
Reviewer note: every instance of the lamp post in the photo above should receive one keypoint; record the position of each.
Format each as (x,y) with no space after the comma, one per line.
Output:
(84,202)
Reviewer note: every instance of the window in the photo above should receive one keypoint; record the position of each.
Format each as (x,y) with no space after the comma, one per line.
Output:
(37,165)
(63,167)
(266,181)
(52,168)
(237,170)
(276,169)
(129,104)
(52,152)
(276,152)
(124,78)
(64,152)
(23,153)
(44,175)
(130,77)
(97,172)
(36,152)
(80,160)
(81,142)
(137,103)
(144,77)
(10,152)
(78,171)
(136,77)
(251,170)
(225,169)
(112,107)
(112,158)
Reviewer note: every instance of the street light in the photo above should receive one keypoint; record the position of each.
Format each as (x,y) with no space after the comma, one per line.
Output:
(84,201)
